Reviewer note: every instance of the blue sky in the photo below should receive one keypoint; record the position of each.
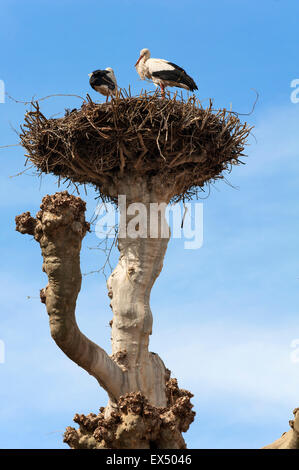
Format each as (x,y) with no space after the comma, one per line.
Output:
(224,315)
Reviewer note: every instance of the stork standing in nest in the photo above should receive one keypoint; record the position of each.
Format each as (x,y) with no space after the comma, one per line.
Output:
(104,82)
(163,73)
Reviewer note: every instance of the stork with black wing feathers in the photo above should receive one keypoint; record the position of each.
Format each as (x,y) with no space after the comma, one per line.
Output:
(104,82)
(163,73)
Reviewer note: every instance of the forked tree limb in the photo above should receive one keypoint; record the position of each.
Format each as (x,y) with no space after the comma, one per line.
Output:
(145,408)
(59,227)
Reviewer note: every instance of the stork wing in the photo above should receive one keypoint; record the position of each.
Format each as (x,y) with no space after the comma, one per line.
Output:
(101,77)
(171,72)
(176,67)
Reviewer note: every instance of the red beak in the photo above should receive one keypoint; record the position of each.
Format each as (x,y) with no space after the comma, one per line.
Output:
(138,60)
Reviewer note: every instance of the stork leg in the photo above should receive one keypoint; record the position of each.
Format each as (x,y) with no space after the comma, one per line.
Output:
(162,91)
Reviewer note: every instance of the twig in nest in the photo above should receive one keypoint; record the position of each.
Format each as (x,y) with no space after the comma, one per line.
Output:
(44,98)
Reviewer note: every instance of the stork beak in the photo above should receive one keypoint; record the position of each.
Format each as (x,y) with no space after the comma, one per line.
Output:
(90,74)
(138,60)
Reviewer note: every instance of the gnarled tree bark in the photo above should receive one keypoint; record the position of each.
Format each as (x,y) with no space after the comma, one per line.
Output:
(129,287)
(59,227)
(290,439)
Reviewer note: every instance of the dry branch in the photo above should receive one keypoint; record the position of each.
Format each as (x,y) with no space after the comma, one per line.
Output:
(59,228)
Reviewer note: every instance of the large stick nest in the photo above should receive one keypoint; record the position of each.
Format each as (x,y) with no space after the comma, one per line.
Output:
(181,143)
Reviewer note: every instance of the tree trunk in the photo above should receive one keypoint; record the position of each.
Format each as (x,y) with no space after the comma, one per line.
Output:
(144,405)
(129,287)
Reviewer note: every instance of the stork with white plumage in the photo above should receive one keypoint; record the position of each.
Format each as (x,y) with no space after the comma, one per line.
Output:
(104,82)
(163,73)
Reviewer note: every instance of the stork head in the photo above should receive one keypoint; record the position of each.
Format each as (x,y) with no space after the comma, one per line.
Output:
(144,53)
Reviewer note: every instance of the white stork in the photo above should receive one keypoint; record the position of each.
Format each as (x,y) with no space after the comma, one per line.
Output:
(104,82)
(163,73)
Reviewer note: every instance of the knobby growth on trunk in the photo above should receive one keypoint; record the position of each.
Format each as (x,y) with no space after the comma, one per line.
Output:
(152,152)
(290,439)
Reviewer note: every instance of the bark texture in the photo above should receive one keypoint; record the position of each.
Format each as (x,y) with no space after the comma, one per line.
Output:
(290,439)
(135,424)
(133,373)
(59,227)
(129,287)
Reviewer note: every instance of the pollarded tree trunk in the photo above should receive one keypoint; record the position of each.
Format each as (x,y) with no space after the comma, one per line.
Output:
(141,258)
(145,407)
